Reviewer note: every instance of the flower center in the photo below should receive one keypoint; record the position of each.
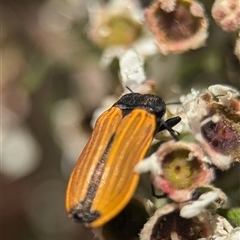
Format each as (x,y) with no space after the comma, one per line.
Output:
(180,170)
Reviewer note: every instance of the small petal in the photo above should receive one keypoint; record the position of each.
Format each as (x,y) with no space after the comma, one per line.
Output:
(222,227)
(195,207)
(146,46)
(224,93)
(109,54)
(132,69)
(235,233)
(149,164)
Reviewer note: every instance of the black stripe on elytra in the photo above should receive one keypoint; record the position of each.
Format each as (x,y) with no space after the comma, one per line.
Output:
(82,211)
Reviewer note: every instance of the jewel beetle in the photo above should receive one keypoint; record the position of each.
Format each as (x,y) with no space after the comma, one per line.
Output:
(103,180)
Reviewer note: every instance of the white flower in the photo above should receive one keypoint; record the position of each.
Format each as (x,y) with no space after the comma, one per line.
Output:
(116,27)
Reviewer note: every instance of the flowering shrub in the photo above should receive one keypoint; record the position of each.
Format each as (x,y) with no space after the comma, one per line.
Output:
(209,134)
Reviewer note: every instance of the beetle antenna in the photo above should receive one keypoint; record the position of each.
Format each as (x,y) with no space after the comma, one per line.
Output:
(129,89)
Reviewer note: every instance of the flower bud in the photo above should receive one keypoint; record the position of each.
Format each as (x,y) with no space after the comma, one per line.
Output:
(226,13)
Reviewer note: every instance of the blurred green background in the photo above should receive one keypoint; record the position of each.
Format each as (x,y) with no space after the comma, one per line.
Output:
(51,83)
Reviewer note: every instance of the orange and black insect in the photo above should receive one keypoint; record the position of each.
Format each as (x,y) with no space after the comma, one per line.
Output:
(103,180)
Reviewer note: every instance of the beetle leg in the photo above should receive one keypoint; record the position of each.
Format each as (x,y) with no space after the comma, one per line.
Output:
(168,124)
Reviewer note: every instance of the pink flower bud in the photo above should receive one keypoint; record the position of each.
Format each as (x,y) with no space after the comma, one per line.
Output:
(226,13)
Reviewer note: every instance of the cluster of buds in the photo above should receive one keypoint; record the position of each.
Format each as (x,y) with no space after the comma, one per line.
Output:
(226,13)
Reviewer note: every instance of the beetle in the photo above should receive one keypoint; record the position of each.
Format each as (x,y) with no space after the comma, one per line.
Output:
(103,180)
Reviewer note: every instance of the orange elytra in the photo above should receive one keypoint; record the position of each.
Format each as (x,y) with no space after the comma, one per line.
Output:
(103,180)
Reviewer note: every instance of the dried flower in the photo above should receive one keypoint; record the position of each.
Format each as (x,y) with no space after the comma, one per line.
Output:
(177,168)
(178,25)
(167,223)
(214,118)
(227,14)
